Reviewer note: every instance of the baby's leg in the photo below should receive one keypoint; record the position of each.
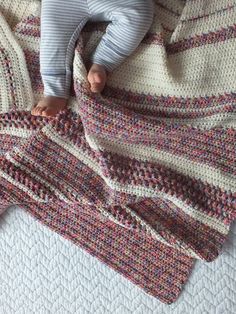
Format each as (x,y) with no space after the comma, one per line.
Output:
(131,19)
(61,23)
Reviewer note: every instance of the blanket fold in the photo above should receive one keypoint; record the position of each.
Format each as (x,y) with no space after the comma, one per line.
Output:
(141,176)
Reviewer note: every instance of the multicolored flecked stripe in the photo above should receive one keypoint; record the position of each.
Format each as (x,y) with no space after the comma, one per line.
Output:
(24,166)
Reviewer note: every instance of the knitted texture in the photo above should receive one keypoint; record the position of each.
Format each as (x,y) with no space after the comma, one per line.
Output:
(143,175)
(15,11)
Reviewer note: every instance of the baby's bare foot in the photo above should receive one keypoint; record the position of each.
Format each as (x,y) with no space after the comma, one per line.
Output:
(97,78)
(49,106)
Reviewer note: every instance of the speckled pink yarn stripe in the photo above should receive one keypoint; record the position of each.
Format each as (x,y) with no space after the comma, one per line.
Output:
(130,176)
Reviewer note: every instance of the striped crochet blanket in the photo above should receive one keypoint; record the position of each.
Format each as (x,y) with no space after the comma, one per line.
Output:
(143,175)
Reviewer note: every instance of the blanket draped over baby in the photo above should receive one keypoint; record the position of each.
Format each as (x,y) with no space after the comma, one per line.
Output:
(141,176)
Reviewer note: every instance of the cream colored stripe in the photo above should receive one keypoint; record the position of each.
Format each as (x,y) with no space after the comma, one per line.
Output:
(23,90)
(16,10)
(203,8)
(176,6)
(80,72)
(136,190)
(185,166)
(20,132)
(4,87)
(213,23)
(30,43)
(204,73)
(191,28)
(165,18)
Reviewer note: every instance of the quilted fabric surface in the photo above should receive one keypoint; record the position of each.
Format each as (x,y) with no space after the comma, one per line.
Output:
(41,272)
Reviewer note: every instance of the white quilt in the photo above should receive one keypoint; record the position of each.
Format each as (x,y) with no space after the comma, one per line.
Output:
(43,273)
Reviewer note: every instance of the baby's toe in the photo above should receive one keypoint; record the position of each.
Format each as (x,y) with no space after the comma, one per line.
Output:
(34,111)
(49,112)
(40,110)
(37,110)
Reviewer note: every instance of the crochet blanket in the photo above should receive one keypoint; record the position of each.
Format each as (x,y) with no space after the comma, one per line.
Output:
(141,176)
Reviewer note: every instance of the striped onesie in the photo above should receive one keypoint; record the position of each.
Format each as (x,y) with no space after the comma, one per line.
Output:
(61,24)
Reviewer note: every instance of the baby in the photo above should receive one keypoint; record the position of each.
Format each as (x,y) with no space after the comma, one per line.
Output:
(61,24)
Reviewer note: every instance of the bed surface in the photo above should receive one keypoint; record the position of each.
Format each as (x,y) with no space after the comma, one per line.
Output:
(42,272)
